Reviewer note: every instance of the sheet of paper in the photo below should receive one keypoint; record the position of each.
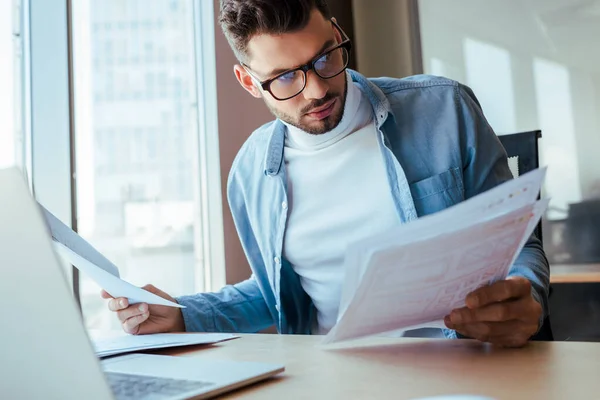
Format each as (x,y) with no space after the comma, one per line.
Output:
(114,285)
(413,277)
(61,233)
(411,286)
(511,195)
(109,343)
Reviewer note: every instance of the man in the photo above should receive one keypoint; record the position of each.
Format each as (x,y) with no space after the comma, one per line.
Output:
(346,158)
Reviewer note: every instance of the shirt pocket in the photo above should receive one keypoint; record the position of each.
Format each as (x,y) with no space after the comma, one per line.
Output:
(438,192)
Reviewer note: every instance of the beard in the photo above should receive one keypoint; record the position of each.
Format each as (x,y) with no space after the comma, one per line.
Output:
(317,127)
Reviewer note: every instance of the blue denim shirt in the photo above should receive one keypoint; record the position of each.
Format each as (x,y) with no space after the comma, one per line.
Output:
(438,149)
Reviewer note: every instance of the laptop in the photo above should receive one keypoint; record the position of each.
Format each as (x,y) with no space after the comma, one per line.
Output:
(46,352)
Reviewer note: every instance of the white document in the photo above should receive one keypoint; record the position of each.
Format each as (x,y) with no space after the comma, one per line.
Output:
(511,195)
(109,343)
(414,275)
(112,284)
(61,233)
(78,252)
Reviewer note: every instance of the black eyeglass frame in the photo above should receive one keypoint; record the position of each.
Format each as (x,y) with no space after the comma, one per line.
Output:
(265,85)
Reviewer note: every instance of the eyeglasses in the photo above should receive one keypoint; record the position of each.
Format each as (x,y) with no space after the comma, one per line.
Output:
(327,65)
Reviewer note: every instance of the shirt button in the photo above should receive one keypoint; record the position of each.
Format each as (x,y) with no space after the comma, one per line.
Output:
(284,205)
(276,259)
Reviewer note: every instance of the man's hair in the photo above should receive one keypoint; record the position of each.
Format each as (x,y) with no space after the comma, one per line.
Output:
(242,19)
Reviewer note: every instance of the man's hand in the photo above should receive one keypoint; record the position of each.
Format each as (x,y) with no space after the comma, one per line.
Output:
(141,319)
(504,313)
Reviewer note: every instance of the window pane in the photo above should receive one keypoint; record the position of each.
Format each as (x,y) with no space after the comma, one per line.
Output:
(135,137)
(558,147)
(10,84)
(482,61)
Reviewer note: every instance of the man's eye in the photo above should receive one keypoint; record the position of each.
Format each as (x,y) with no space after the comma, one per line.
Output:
(288,77)
(323,61)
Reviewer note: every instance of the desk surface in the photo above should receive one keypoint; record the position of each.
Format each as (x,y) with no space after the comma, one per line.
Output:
(574,273)
(412,368)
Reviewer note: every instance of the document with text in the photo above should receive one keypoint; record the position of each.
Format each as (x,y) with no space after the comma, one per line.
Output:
(414,275)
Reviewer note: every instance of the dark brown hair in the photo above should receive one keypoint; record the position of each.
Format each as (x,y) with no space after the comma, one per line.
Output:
(242,19)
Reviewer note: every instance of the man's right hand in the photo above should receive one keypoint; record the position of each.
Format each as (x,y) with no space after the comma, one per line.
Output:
(142,318)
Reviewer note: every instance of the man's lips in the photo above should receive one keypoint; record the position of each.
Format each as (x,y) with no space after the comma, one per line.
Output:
(323,111)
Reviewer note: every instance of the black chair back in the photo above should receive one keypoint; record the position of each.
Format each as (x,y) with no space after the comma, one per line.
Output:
(522,150)
(523,154)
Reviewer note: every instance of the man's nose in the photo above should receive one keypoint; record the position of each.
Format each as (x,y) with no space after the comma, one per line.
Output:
(316,88)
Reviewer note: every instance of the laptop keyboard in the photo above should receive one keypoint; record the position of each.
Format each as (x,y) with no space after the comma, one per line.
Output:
(127,386)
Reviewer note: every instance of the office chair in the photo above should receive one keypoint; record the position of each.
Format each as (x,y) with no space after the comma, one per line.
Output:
(522,151)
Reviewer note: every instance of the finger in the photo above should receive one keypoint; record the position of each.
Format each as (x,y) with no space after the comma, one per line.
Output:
(487,330)
(105,295)
(144,329)
(510,332)
(496,312)
(469,330)
(511,341)
(133,311)
(157,291)
(508,341)
(118,304)
(151,289)
(499,291)
(132,325)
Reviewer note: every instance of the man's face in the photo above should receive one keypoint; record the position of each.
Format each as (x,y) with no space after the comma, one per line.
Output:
(320,106)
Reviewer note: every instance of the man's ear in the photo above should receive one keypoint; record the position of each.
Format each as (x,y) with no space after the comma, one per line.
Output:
(338,34)
(246,81)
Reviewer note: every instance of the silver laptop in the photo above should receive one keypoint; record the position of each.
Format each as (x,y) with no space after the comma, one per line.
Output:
(45,351)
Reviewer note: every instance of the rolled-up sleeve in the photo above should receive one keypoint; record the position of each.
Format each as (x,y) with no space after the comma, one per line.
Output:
(238,308)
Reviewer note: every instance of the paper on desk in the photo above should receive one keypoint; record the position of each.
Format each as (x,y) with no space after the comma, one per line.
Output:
(417,275)
(61,233)
(109,343)
(113,285)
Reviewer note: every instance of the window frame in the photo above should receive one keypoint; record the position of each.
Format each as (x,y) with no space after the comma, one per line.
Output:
(49,117)
(49,128)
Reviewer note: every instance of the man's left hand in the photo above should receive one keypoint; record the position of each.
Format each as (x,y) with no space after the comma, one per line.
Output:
(503,313)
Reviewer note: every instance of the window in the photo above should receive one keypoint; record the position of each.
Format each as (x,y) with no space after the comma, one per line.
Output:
(150,204)
(489,74)
(134,202)
(558,147)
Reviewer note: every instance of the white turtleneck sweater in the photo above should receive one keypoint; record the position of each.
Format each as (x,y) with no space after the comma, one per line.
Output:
(337,194)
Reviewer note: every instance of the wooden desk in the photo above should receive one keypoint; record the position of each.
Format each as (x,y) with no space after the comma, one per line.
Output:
(413,368)
(575,273)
